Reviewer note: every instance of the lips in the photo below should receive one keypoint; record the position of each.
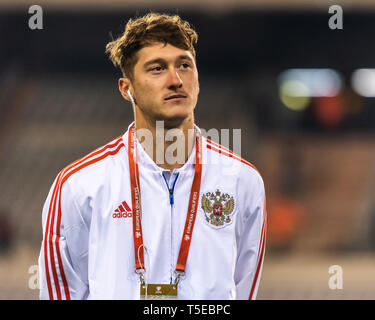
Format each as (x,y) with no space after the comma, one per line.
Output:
(175,96)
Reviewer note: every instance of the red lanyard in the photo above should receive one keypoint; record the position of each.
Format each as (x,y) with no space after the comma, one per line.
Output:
(137,209)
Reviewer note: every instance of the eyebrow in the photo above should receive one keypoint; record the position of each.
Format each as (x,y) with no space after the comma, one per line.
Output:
(161,60)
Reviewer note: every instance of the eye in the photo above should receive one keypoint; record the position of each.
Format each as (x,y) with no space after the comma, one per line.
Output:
(156,69)
(185,65)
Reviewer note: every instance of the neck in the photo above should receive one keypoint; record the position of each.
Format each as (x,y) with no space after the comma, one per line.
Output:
(168,144)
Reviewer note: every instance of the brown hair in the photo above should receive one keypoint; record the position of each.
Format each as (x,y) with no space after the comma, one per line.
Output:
(146,30)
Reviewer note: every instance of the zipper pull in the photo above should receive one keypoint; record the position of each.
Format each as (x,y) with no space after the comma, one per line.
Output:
(171,200)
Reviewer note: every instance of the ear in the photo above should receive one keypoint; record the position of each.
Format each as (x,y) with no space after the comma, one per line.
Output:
(123,86)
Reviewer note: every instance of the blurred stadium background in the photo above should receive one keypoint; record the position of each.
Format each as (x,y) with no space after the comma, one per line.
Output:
(302,94)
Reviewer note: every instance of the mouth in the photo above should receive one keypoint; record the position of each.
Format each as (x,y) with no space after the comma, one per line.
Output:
(175,97)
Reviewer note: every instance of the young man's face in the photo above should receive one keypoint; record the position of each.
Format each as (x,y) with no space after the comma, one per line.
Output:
(165,83)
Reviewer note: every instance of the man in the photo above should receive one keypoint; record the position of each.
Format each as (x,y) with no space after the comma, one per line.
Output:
(132,220)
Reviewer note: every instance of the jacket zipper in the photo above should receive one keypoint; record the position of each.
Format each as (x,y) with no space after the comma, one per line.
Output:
(171,190)
(171,202)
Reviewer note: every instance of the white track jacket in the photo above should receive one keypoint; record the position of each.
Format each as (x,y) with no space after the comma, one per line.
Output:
(87,250)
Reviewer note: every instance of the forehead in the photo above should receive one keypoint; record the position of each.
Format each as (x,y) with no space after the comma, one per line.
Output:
(163,51)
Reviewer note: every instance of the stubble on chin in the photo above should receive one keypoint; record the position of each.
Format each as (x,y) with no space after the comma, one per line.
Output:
(172,121)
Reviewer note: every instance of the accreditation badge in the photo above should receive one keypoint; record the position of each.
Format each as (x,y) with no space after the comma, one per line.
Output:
(158,291)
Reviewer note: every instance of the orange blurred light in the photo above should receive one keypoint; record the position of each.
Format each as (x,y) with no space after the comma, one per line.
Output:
(329,111)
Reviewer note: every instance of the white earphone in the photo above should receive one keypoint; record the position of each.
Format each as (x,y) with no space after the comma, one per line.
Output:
(131,97)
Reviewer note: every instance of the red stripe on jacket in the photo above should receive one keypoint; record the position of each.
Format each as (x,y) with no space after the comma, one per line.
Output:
(62,177)
(227,152)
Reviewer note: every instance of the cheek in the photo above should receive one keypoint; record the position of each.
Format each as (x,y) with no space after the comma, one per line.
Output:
(195,88)
(190,82)
(195,83)
(151,87)
(146,91)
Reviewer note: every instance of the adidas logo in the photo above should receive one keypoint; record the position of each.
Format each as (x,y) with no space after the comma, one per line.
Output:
(123,211)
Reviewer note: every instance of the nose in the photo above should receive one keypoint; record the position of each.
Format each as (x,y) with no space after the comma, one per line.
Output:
(174,79)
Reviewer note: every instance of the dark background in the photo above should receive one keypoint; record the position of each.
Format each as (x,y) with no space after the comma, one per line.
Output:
(240,44)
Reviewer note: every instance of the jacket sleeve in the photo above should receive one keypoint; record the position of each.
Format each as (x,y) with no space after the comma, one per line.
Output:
(63,259)
(251,245)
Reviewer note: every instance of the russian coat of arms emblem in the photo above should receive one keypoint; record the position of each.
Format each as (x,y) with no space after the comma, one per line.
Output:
(218,208)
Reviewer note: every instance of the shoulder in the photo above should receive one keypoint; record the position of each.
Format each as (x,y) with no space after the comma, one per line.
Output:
(218,154)
(91,167)
(248,179)
(78,182)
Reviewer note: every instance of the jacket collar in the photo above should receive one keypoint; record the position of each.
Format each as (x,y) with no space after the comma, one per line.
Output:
(145,160)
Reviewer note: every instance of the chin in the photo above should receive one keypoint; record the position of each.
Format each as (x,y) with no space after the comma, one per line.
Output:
(174,121)
(174,117)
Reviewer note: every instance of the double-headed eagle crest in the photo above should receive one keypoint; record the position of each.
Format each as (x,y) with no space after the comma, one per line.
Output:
(217,207)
